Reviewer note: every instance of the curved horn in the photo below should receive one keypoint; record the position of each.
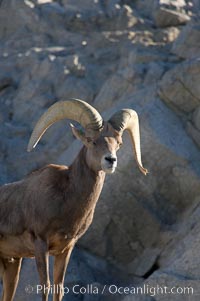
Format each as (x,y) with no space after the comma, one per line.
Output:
(127,119)
(75,109)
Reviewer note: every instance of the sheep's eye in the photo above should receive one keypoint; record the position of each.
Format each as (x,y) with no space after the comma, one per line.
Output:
(119,144)
(94,143)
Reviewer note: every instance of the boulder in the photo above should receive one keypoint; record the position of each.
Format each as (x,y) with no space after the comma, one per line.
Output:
(165,12)
(187,45)
(179,87)
(167,34)
(166,17)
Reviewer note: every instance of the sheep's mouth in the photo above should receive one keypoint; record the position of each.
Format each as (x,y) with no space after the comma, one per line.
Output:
(108,167)
(109,170)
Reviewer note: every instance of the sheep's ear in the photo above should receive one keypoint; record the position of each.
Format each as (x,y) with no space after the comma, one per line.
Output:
(79,134)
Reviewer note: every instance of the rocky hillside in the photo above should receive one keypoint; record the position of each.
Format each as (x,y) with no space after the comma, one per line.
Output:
(144,55)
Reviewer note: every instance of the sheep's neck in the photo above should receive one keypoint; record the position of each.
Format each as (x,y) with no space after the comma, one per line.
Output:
(88,181)
(88,185)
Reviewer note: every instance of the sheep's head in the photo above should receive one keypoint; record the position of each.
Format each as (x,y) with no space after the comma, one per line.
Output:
(101,148)
(102,139)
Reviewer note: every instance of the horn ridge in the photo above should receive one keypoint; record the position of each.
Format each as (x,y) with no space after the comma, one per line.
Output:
(74,109)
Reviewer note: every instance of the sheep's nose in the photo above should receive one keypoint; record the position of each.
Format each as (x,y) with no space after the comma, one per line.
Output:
(111,159)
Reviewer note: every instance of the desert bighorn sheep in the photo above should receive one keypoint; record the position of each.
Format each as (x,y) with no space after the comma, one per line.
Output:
(50,209)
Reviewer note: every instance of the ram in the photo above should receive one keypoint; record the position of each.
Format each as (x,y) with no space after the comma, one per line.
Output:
(51,208)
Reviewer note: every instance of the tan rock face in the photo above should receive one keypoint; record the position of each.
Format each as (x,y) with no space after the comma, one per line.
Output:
(165,17)
(188,43)
(113,55)
(180,88)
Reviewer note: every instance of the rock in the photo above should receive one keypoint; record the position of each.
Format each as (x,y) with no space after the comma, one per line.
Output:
(146,7)
(18,11)
(193,128)
(154,73)
(165,17)
(141,56)
(111,54)
(53,13)
(139,204)
(180,88)
(194,133)
(196,118)
(162,284)
(177,257)
(101,14)
(187,44)
(178,265)
(75,66)
(192,8)
(178,4)
(143,264)
(119,85)
(149,8)
(167,35)
(135,70)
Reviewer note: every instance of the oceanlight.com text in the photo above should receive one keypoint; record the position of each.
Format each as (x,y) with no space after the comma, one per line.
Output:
(111,289)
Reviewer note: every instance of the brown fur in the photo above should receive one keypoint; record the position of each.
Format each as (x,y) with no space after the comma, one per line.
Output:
(44,205)
(47,212)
